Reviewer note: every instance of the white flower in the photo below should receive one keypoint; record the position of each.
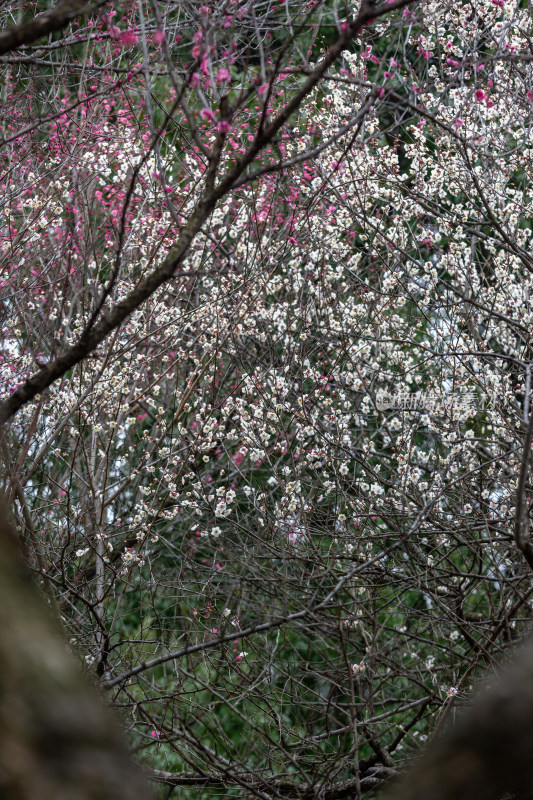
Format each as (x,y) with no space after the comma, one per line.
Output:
(357,668)
(81,552)
(451,692)
(216,531)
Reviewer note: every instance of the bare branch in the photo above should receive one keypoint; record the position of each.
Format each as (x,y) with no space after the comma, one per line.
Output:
(49,22)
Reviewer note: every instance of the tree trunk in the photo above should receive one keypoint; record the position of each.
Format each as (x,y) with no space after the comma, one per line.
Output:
(57,740)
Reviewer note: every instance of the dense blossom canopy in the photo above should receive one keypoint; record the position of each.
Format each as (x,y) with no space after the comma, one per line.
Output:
(276,507)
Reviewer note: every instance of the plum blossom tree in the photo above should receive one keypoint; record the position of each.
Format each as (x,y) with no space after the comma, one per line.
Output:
(266,361)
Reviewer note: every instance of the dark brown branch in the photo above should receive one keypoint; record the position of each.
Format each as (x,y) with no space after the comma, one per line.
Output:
(49,22)
(521,524)
(241,634)
(372,778)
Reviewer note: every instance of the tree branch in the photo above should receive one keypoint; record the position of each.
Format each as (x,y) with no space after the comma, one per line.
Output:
(50,21)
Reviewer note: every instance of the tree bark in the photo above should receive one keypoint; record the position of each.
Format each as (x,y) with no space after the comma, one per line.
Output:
(57,740)
(488,753)
(49,22)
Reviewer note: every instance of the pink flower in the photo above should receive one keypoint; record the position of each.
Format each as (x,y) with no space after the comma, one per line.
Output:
(159,37)
(480,95)
(128,38)
(262,89)
(223,126)
(223,75)
(156,734)
(207,115)
(238,458)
